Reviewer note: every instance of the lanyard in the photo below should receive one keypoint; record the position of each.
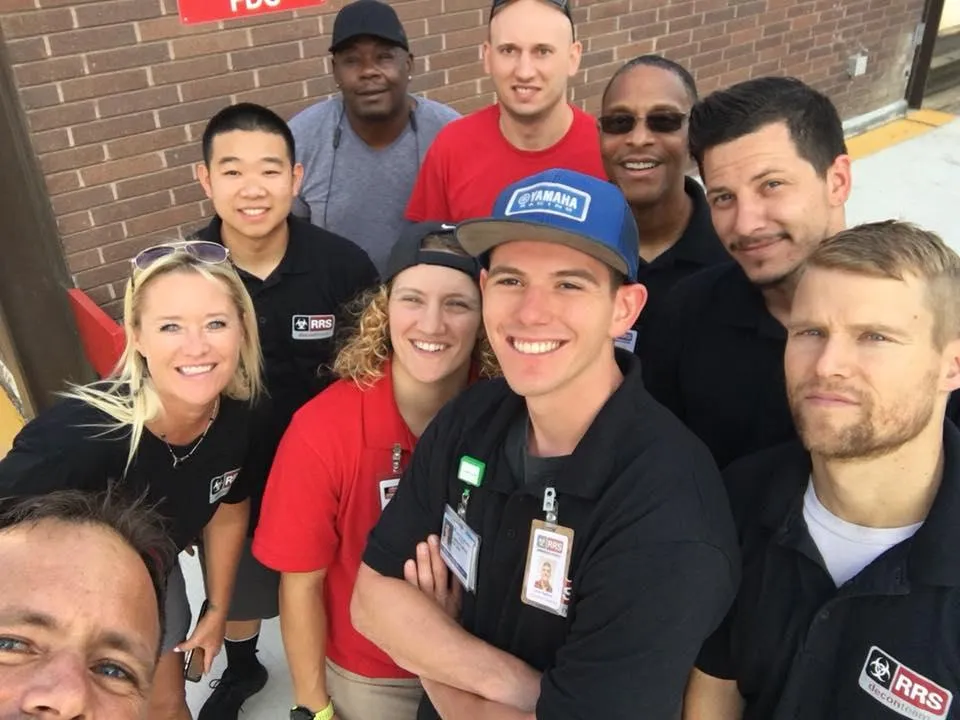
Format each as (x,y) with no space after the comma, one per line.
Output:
(550,506)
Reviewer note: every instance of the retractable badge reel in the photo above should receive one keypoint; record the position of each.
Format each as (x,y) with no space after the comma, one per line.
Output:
(459,543)
(548,560)
(388,487)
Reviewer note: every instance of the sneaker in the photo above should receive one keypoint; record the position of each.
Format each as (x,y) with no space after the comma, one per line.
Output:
(230,691)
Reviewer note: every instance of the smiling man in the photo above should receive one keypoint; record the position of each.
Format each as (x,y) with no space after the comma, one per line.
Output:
(643,139)
(772,155)
(80,639)
(530,55)
(299,277)
(361,149)
(566,461)
(851,592)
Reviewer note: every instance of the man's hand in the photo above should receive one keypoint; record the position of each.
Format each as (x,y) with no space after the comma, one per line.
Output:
(209,635)
(429,573)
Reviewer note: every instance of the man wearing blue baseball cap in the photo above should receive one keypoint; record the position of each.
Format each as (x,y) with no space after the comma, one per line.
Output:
(567,464)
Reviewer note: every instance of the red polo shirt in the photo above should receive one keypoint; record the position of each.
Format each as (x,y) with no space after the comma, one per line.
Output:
(323,499)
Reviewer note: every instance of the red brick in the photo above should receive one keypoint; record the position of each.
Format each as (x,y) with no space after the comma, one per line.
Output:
(675,10)
(178,115)
(109,172)
(52,162)
(39,97)
(452,6)
(131,208)
(146,142)
(169,218)
(61,116)
(191,192)
(225,41)
(93,86)
(449,93)
(97,237)
(259,57)
(424,46)
(470,38)
(687,23)
(154,182)
(127,249)
(110,12)
(45,71)
(675,40)
(638,20)
(62,182)
(592,59)
(647,32)
(317,48)
(282,32)
(36,22)
(471,71)
(83,261)
(626,52)
(288,72)
(427,81)
(169,27)
(319,87)
(469,105)
(455,58)
(221,86)
(416,9)
(78,222)
(591,30)
(751,8)
(80,41)
(21,51)
(610,8)
(445,22)
(140,55)
(102,275)
(276,95)
(104,130)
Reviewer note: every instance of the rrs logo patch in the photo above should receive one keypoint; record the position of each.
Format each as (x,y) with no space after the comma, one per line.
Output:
(221,484)
(902,690)
(313,327)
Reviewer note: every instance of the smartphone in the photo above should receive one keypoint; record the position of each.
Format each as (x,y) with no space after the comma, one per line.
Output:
(193,661)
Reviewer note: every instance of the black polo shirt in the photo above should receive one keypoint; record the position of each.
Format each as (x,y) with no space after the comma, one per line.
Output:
(654,564)
(70,446)
(697,248)
(886,644)
(300,310)
(714,356)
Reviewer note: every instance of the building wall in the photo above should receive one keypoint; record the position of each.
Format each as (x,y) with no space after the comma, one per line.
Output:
(116,92)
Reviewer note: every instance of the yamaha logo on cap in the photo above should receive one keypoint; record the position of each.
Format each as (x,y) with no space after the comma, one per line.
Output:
(550,199)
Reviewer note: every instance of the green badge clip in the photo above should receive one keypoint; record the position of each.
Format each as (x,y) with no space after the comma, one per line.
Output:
(471,471)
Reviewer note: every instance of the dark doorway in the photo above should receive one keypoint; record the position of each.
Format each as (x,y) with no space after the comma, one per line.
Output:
(935,76)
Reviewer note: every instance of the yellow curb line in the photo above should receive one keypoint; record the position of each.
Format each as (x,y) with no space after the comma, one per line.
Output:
(916,123)
(10,423)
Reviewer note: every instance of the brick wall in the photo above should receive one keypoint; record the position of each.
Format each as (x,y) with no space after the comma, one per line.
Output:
(116,92)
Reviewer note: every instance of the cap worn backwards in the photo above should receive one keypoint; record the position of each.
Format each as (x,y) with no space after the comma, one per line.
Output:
(409,251)
(564,207)
(371,18)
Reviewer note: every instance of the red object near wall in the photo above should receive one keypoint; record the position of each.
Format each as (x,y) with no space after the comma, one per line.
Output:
(200,11)
(101,335)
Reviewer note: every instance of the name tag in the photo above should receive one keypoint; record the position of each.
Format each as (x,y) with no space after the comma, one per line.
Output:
(313,327)
(388,488)
(545,583)
(460,548)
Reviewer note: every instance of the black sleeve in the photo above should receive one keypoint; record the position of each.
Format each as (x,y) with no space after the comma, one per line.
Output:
(642,615)
(661,349)
(65,447)
(416,510)
(716,656)
(240,437)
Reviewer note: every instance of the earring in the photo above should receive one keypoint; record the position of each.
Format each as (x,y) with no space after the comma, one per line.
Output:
(409,77)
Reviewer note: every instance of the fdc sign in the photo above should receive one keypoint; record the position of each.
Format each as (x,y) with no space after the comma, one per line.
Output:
(200,11)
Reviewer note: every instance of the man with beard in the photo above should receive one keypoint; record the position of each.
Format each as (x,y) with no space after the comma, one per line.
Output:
(772,155)
(850,598)
(530,55)
(362,148)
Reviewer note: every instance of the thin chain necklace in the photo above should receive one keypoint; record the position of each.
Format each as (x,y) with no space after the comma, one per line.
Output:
(178,460)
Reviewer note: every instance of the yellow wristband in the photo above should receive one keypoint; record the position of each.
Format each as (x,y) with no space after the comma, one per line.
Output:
(326,713)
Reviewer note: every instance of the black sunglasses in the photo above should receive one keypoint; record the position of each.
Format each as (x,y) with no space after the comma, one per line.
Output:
(661,121)
(563,5)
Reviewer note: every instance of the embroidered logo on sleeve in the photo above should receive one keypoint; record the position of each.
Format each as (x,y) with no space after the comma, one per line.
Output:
(221,485)
(902,690)
(313,327)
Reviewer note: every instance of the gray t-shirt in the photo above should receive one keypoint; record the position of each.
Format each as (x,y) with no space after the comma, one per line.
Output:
(370,188)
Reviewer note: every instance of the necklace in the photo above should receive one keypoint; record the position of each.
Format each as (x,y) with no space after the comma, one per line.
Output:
(177,460)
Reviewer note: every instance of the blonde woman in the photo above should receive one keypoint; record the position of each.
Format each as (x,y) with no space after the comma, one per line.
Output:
(170,423)
(416,347)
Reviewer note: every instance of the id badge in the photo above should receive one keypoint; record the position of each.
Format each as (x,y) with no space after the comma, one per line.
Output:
(460,548)
(627,341)
(548,562)
(388,488)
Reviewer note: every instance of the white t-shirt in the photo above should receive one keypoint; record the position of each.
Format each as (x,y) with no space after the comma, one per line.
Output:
(847,548)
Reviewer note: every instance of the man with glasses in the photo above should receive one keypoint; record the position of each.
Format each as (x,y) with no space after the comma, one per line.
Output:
(643,139)
(531,54)
(361,148)
(299,277)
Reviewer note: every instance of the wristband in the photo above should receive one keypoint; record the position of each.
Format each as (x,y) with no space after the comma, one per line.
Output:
(302,713)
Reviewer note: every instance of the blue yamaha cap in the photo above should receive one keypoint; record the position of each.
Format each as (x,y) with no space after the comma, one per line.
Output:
(565,207)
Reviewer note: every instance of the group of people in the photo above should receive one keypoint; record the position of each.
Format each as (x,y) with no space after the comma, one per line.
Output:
(507,416)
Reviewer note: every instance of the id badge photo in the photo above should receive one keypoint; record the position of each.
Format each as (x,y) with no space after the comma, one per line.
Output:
(548,563)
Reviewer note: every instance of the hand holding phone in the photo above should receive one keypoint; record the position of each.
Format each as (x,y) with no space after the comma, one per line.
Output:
(193,661)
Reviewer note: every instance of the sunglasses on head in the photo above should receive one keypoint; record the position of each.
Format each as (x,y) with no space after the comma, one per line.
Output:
(209,253)
(563,5)
(661,121)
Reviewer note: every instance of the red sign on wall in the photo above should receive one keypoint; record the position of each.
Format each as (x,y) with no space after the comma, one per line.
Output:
(200,11)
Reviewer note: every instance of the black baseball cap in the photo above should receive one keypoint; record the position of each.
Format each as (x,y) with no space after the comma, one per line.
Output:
(561,5)
(408,251)
(368,17)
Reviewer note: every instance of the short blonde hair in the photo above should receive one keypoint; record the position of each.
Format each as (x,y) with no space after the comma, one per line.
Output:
(367,347)
(894,249)
(127,395)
